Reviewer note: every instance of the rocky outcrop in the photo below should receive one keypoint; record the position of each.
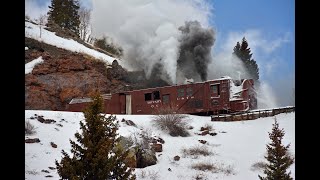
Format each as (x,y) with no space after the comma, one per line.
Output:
(64,75)
(52,84)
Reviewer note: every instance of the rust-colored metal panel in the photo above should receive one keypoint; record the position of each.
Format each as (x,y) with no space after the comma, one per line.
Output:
(208,97)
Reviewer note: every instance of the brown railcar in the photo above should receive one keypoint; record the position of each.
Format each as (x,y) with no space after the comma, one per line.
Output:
(222,95)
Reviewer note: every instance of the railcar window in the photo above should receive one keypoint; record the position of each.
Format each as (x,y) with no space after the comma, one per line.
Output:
(165,98)
(156,95)
(189,91)
(147,97)
(215,89)
(180,92)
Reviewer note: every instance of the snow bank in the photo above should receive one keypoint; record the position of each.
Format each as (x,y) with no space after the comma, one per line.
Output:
(237,144)
(33,31)
(30,65)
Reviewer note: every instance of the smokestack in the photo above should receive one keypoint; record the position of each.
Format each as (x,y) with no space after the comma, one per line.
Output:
(195,51)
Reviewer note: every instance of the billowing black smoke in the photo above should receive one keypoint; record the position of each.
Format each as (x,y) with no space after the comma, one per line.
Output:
(195,51)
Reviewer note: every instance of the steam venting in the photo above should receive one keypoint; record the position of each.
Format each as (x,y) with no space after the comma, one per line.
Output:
(148,31)
(195,51)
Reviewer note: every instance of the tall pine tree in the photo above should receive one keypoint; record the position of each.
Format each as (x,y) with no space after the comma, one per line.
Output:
(243,52)
(277,155)
(64,13)
(97,154)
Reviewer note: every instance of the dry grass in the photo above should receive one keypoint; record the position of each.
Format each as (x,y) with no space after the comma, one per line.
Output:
(214,168)
(197,151)
(153,175)
(258,166)
(204,167)
(29,129)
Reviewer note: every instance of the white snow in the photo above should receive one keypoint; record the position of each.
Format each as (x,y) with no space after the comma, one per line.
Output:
(243,144)
(26,48)
(33,31)
(30,65)
(235,91)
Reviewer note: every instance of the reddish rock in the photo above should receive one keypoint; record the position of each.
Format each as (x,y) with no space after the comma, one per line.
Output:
(204,129)
(202,141)
(68,93)
(176,158)
(34,140)
(156,147)
(213,134)
(160,140)
(45,171)
(71,63)
(45,121)
(204,133)
(53,145)
(130,123)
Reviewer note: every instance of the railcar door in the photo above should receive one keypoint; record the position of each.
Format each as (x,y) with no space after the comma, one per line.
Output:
(128,104)
(122,103)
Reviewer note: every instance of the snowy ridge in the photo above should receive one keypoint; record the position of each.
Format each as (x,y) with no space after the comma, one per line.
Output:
(237,144)
(33,31)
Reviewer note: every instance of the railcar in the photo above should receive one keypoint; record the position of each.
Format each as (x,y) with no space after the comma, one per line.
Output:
(218,96)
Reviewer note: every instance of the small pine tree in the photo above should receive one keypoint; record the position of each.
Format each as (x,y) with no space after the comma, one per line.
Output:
(97,154)
(277,155)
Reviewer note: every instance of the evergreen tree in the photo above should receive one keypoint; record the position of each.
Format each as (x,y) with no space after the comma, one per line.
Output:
(277,155)
(97,154)
(64,13)
(243,52)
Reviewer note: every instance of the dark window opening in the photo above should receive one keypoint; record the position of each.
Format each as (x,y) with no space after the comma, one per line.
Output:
(195,103)
(165,98)
(180,92)
(214,102)
(147,97)
(189,91)
(215,89)
(156,95)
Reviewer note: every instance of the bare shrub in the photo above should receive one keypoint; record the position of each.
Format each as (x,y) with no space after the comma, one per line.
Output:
(199,176)
(32,172)
(196,151)
(29,129)
(203,166)
(145,138)
(167,119)
(208,127)
(153,175)
(258,166)
(143,174)
(215,168)
(227,170)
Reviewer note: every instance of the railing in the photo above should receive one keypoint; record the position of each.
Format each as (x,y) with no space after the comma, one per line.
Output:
(251,115)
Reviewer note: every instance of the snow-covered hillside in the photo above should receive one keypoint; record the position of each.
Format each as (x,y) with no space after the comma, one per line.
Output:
(237,145)
(33,31)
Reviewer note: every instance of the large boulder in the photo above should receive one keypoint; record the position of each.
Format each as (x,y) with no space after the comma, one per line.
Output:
(145,157)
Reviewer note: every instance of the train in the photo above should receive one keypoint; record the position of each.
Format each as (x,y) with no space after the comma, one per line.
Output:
(218,96)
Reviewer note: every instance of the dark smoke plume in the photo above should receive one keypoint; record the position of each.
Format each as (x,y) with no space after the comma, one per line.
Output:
(195,51)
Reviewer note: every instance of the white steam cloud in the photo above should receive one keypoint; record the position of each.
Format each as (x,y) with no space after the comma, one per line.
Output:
(273,91)
(148,30)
